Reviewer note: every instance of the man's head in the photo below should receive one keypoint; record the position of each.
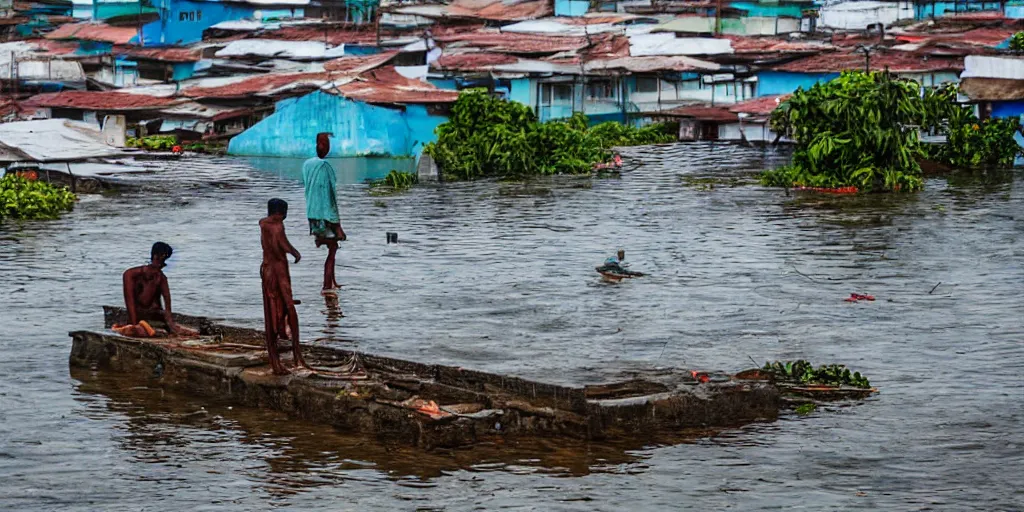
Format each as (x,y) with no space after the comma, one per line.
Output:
(323,144)
(277,207)
(160,253)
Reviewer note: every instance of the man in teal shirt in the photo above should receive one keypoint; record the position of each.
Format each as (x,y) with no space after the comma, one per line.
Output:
(322,207)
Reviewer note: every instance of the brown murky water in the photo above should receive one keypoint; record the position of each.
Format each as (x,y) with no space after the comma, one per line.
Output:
(500,277)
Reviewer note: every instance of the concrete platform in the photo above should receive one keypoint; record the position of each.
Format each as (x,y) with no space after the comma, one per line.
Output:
(230,363)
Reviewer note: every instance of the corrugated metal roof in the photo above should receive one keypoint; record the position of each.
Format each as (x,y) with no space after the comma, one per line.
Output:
(113,101)
(162,54)
(66,71)
(357,65)
(195,110)
(52,140)
(260,85)
(472,61)
(741,44)
(523,44)
(501,10)
(762,106)
(269,48)
(979,66)
(386,86)
(95,32)
(898,62)
(650,64)
(558,27)
(643,45)
(701,113)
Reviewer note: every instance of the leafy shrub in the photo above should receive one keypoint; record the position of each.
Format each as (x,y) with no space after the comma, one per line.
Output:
(1017,42)
(153,142)
(21,198)
(861,130)
(490,137)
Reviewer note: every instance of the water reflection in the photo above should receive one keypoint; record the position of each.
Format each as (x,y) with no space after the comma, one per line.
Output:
(162,427)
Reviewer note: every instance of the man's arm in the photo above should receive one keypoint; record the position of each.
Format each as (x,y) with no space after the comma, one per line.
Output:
(165,291)
(287,246)
(128,282)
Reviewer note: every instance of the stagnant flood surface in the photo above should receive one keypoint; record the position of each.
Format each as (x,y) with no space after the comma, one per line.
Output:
(500,277)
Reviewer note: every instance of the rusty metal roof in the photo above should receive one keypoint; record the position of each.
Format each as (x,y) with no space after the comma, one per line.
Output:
(501,10)
(701,113)
(100,100)
(359,64)
(524,44)
(762,106)
(472,61)
(260,85)
(95,32)
(899,62)
(386,86)
(162,54)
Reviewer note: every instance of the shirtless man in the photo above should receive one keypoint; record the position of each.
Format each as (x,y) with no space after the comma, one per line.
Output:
(145,286)
(278,305)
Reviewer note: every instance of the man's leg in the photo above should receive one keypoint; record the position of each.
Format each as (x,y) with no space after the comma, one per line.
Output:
(270,318)
(288,310)
(332,250)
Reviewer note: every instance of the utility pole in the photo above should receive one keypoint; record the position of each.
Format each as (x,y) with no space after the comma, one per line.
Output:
(718,18)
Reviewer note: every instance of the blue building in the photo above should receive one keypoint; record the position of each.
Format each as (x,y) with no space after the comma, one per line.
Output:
(182,22)
(358,128)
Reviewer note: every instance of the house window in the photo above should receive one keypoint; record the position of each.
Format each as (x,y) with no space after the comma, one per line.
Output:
(646,84)
(555,93)
(600,90)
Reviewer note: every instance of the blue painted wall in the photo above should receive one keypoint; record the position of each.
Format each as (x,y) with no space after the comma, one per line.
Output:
(756,9)
(571,7)
(183,21)
(183,71)
(1007,108)
(522,91)
(770,83)
(446,84)
(359,129)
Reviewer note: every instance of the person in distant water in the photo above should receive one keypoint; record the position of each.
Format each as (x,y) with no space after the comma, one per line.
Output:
(322,207)
(278,304)
(147,295)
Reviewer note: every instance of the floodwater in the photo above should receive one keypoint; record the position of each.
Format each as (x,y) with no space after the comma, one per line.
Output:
(500,277)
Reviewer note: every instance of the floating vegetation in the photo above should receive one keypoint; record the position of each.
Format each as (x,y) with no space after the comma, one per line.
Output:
(713,182)
(395,182)
(24,197)
(805,409)
(803,372)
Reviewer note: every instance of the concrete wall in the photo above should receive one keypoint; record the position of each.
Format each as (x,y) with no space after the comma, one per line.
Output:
(183,21)
(858,15)
(754,132)
(358,128)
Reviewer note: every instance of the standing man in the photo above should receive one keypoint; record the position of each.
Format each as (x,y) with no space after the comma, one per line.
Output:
(322,207)
(278,304)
